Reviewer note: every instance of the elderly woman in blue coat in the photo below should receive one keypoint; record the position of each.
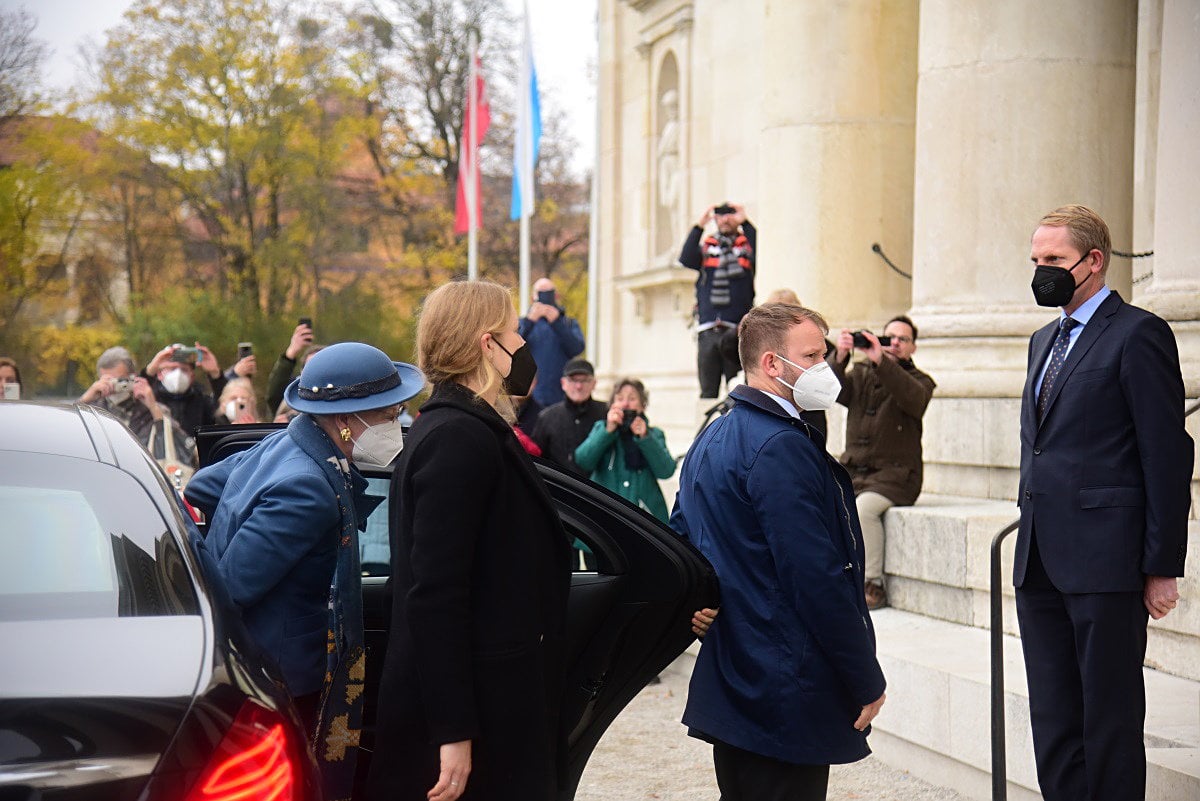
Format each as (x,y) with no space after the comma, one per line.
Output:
(625,453)
(283,523)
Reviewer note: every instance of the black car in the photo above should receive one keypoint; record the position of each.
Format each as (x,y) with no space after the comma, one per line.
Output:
(127,673)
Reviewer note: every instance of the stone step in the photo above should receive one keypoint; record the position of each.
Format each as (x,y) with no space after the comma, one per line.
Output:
(937,561)
(936,722)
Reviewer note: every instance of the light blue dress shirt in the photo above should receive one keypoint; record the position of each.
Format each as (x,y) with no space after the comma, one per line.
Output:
(1082,316)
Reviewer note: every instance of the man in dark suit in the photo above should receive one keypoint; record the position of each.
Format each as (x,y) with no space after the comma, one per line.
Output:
(1104,497)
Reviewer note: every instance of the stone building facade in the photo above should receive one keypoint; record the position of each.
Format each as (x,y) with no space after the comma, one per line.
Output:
(941,130)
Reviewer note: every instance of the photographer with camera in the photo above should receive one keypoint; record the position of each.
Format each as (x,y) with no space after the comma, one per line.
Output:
(724,289)
(627,455)
(172,376)
(886,396)
(120,391)
(554,337)
(237,404)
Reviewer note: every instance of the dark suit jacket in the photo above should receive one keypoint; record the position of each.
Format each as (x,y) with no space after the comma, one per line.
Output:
(1105,476)
(480,571)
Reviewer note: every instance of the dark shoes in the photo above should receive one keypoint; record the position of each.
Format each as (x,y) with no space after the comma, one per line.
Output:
(876,595)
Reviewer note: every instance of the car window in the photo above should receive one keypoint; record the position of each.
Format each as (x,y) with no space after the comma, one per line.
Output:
(374,546)
(81,539)
(375,549)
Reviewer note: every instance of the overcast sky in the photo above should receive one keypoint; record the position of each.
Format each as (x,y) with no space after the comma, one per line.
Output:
(564,42)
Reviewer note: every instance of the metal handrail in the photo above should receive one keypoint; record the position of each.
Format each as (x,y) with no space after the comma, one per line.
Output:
(999,767)
(996,602)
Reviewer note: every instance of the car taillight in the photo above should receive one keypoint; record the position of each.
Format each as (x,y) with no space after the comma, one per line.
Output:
(254,761)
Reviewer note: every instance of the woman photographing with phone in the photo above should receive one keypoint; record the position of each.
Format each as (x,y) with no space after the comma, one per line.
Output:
(469,696)
(625,454)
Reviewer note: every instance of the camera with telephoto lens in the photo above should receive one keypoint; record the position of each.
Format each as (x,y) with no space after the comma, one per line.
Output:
(861,341)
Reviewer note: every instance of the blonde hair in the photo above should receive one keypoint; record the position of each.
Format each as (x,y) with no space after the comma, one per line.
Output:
(1087,230)
(784,295)
(235,384)
(765,328)
(453,318)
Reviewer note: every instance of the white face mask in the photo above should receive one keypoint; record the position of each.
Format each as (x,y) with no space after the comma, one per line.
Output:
(232,410)
(176,381)
(816,389)
(378,445)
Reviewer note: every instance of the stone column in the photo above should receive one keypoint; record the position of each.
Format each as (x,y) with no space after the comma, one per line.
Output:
(1173,289)
(835,154)
(1022,106)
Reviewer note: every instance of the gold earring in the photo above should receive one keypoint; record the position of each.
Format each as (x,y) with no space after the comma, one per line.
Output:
(345,432)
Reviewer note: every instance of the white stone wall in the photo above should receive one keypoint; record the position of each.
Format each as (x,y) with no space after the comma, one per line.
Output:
(941,129)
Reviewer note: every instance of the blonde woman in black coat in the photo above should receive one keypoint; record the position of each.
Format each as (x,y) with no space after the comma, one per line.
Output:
(468,704)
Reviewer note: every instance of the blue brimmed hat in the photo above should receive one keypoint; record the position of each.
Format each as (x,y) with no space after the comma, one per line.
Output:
(352,377)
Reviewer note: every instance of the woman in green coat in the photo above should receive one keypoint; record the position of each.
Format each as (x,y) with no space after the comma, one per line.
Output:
(627,455)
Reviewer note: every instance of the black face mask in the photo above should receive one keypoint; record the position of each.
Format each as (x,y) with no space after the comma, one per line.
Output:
(1055,286)
(524,369)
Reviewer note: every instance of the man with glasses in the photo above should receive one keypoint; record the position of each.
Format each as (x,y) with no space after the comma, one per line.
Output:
(561,427)
(886,396)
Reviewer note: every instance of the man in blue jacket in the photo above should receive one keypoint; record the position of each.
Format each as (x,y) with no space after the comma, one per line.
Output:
(786,682)
(553,338)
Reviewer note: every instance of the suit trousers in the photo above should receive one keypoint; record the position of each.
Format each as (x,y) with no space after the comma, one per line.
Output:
(746,776)
(713,362)
(1087,696)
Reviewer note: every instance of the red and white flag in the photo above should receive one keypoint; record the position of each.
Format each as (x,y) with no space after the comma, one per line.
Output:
(468,208)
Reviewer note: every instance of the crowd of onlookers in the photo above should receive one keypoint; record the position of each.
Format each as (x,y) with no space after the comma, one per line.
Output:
(787,682)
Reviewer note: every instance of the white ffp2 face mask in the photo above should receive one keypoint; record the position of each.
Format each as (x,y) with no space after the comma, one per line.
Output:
(176,381)
(816,389)
(379,444)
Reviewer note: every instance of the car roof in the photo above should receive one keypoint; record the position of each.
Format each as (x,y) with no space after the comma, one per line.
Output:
(74,430)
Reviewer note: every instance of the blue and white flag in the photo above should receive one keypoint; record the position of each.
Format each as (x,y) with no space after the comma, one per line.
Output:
(529,131)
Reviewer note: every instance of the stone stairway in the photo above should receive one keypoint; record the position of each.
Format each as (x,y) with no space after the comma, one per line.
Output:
(933,645)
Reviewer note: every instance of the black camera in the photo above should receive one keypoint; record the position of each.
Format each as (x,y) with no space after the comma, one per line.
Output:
(861,341)
(628,416)
(724,208)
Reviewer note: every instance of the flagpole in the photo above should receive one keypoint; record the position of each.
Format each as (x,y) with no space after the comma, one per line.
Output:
(525,295)
(472,143)
(593,268)
(525,159)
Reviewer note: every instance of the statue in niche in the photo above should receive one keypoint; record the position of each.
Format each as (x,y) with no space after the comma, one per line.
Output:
(669,175)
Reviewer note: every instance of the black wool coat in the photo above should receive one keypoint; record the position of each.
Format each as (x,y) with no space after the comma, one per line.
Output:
(480,574)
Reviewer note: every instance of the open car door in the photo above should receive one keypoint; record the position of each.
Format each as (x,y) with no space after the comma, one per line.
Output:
(629,614)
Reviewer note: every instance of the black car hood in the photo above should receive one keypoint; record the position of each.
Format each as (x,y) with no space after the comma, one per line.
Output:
(89,706)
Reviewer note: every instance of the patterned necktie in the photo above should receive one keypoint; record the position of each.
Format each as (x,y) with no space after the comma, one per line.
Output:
(1058,355)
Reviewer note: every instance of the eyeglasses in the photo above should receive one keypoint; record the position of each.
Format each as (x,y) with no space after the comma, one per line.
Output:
(905,340)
